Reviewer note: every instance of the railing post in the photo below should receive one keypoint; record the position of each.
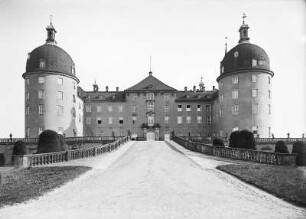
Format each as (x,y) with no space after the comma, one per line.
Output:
(67,156)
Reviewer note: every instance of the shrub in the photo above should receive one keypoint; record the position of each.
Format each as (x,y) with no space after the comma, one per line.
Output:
(242,139)
(281,147)
(234,139)
(218,142)
(48,142)
(19,148)
(64,146)
(247,140)
(299,148)
(266,148)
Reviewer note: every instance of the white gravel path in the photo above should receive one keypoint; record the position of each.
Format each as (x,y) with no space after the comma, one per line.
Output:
(154,180)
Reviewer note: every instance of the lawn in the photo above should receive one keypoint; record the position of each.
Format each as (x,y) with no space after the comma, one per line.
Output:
(288,183)
(25,184)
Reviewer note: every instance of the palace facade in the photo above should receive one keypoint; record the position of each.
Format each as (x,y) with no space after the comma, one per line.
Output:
(149,109)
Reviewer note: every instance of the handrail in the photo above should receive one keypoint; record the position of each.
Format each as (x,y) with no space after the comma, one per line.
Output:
(65,156)
(264,157)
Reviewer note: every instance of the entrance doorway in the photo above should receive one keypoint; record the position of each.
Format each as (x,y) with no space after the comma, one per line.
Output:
(167,137)
(150,136)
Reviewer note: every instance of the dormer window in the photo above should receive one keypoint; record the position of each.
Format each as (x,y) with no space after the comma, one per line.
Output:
(29,56)
(42,63)
(222,69)
(236,54)
(254,62)
(73,70)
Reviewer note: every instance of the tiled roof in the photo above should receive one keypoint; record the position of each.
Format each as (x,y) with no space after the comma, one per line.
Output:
(198,96)
(150,83)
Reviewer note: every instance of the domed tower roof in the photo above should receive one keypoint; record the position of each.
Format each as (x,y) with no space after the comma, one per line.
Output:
(50,57)
(245,57)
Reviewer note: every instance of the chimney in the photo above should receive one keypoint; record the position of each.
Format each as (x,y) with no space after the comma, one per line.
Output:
(106,88)
(213,87)
(185,89)
(194,88)
(117,89)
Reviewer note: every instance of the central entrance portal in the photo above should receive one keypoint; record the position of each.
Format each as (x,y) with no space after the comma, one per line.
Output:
(150,136)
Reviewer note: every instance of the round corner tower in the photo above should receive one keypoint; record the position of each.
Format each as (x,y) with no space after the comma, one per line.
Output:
(245,88)
(50,90)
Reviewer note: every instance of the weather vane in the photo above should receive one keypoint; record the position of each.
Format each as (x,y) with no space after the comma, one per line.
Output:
(225,45)
(243,17)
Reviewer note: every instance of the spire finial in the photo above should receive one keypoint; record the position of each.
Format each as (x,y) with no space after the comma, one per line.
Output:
(150,72)
(225,45)
(201,85)
(243,17)
(51,19)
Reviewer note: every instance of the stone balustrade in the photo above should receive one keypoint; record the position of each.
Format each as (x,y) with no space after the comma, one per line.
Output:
(239,154)
(64,156)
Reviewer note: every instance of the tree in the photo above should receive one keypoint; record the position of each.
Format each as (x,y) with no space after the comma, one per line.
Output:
(218,142)
(281,147)
(48,142)
(299,148)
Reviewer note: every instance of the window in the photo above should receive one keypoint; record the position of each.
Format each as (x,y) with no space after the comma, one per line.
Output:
(199,108)
(254,92)
(99,121)
(60,130)
(207,107)
(134,119)
(188,119)
(208,120)
(27,96)
(80,118)
(150,106)
(40,129)
(42,63)
(80,105)
(235,80)
(221,113)
(73,85)
(188,108)
(60,81)
(254,62)
(73,98)
(166,119)
(73,70)
(99,109)
(41,94)
(27,110)
(235,109)
(269,109)
(179,120)
(254,108)
(150,96)
(254,129)
(88,120)
(199,119)
(110,120)
(179,108)
(222,69)
(254,78)
(234,94)
(41,80)
(60,95)
(221,98)
(134,109)
(120,108)
(269,93)
(88,108)
(41,109)
(134,96)
(59,110)
(166,97)
(28,81)
(110,108)
(120,120)
(269,80)
(167,108)
(151,120)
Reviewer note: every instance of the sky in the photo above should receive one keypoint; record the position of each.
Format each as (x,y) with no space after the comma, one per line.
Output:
(111,42)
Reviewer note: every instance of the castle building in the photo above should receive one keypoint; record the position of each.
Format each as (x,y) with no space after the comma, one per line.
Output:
(149,109)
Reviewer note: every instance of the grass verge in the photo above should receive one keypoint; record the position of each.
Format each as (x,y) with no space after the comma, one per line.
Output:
(25,184)
(288,183)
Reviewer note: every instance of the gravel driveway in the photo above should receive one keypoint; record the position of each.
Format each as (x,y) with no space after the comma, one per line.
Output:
(154,180)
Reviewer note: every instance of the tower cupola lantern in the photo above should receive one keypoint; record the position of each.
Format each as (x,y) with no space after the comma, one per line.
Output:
(51,33)
(244,36)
